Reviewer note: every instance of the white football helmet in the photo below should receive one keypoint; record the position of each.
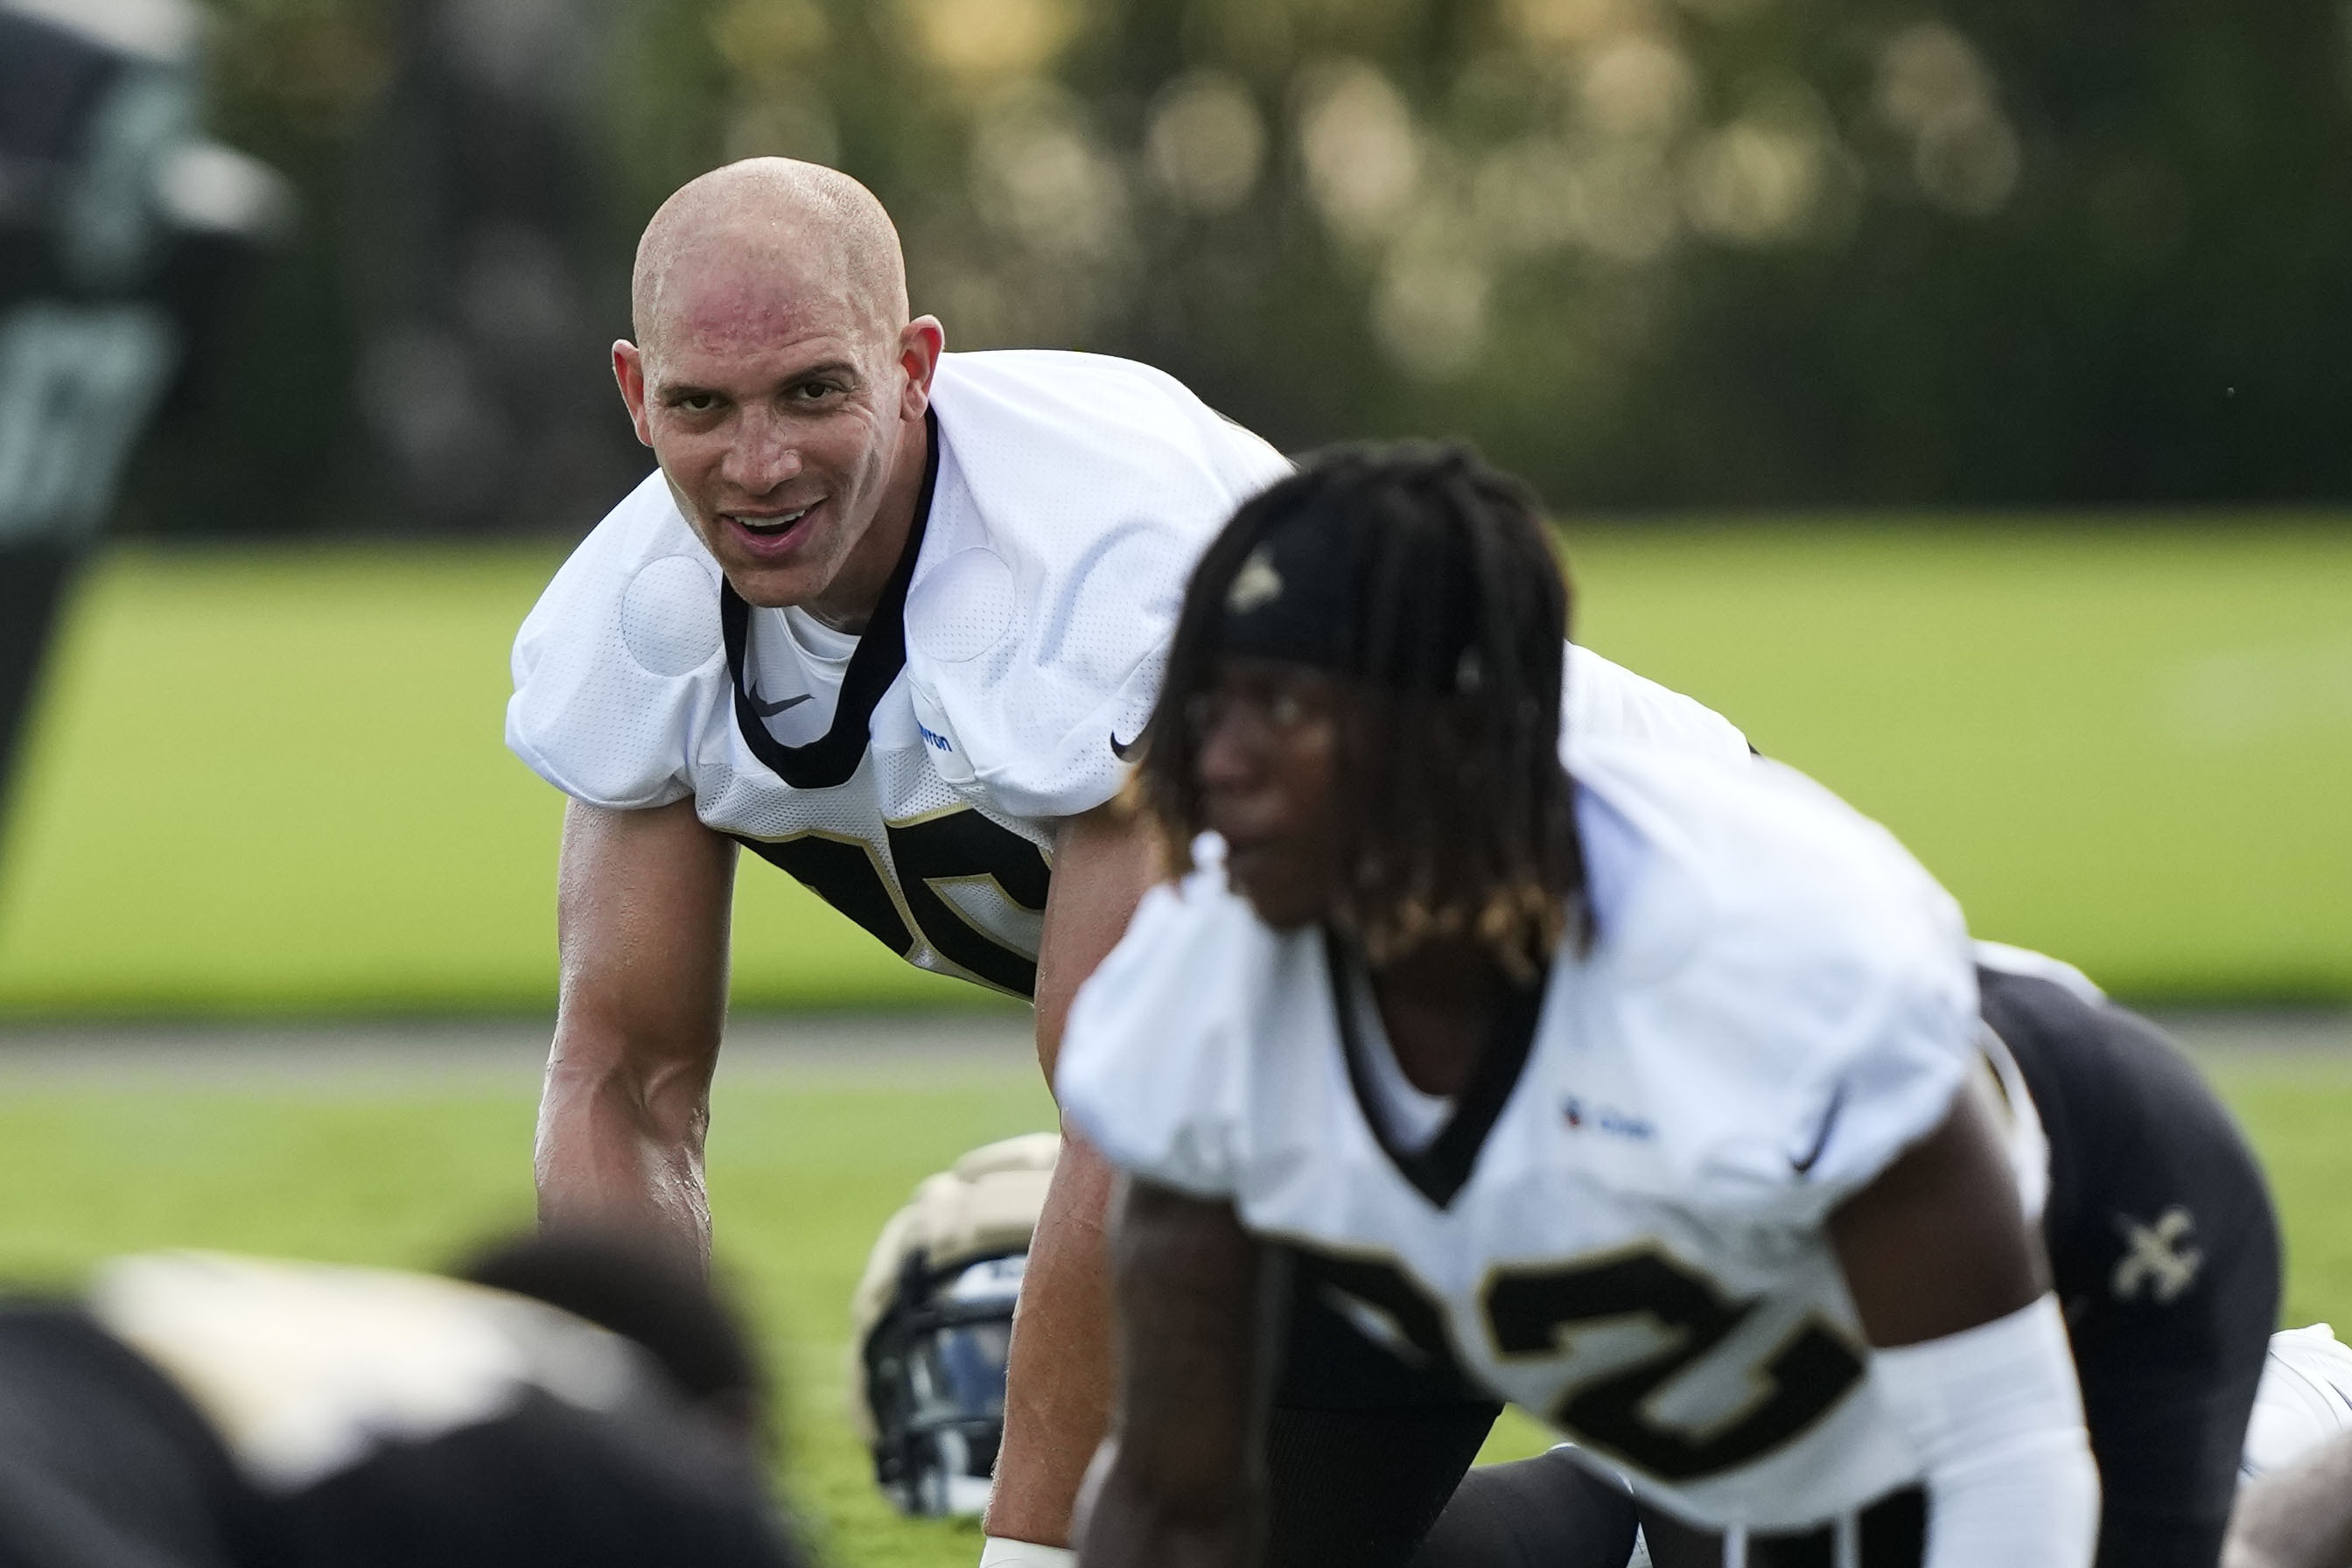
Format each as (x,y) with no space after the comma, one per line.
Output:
(2305,1399)
(934,1315)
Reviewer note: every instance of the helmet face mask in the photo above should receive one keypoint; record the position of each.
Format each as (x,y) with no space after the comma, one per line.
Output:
(934,1312)
(935,1380)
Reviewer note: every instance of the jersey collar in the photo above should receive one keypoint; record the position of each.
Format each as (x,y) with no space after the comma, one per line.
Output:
(1441,1168)
(831,759)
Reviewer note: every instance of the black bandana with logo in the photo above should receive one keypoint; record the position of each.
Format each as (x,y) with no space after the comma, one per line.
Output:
(1300,598)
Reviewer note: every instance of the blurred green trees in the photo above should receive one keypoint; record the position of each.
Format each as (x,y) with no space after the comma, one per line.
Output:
(1651,253)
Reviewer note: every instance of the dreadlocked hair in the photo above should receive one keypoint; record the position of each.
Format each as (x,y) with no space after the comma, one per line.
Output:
(1457,816)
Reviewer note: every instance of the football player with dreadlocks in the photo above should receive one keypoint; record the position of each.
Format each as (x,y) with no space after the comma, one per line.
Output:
(1647,1091)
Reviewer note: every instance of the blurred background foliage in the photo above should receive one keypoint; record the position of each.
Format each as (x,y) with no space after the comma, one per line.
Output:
(1654,254)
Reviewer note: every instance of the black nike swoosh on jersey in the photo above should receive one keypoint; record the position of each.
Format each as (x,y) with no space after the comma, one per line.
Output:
(769,709)
(1124,750)
(1820,1139)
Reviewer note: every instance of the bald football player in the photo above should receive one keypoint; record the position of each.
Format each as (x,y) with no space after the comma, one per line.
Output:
(886,616)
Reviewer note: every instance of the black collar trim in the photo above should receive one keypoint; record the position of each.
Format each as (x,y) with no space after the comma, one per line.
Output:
(1442,1167)
(832,758)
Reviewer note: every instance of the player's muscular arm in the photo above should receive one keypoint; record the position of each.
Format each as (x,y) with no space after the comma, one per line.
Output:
(1973,1363)
(642,911)
(1059,1380)
(1181,1483)
(1938,1243)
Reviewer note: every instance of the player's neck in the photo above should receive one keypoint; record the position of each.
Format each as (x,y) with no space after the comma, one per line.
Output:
(1438,1006)
(848,601)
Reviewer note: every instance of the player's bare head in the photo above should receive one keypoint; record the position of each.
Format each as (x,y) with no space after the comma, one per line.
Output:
(764,239)
(1406,600)
(778,381)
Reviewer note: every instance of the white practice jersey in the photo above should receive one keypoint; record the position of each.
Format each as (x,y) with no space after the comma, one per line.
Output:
(913,776)
(2304,1403)
(1620,1227)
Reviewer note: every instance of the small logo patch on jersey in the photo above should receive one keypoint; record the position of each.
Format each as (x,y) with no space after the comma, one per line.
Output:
(933,739)
(1803,1163)
(2156,1258)
(1124,750)
(1606,1119)
(782,705)
(1257,583)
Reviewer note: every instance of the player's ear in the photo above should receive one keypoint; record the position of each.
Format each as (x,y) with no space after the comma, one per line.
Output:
(920,343)
(629,370)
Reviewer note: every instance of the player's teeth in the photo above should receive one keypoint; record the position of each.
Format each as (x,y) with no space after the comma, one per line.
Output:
(771,524)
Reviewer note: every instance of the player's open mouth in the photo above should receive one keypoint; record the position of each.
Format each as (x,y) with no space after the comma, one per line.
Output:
(771,533)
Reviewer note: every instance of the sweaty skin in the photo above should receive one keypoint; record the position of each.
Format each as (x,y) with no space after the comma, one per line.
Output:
(782,387)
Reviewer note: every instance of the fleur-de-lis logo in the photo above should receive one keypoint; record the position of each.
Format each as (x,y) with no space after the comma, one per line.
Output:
(2158,1259)
(1257,583)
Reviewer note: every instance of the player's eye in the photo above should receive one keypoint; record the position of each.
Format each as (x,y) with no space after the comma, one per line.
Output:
(695,402)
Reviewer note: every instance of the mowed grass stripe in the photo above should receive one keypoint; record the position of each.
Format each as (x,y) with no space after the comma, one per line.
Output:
(274,781)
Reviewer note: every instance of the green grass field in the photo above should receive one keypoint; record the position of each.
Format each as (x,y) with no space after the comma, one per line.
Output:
(274,781)
(803,1169)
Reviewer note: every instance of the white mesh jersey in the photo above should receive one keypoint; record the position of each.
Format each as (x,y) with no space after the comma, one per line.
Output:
(1621,1226)
(918,791)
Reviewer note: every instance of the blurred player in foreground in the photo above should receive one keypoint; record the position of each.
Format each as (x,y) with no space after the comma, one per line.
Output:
(200,1411)
(1652,1101)
(888,617)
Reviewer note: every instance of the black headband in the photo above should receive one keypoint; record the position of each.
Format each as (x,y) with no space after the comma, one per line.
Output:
(1300,594)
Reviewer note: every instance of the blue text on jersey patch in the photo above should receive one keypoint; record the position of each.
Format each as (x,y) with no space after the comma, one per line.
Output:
(933,739)
(1606,1119)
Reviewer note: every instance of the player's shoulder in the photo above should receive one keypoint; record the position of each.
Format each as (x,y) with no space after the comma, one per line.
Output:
(1791,993)
(1074,492)
(641,573)
(1064,453)
(1122,412)
(1603,701)
(1165,1035)
(1752,837)
(1192,942)
(618,658)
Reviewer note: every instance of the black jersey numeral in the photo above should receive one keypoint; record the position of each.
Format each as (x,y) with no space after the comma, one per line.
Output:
(1797,1381)
(844,874)
(958,845)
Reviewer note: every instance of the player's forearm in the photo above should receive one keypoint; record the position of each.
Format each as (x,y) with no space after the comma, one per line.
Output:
(621,1148)
(1185,1479)
(1996,1419)
(1134,1519)
(1058,1377)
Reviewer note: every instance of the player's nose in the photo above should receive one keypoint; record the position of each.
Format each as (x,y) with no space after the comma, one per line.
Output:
(763,456)
(1227,761)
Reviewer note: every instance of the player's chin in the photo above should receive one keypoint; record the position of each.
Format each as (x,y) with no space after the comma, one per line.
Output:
(770,584)
(1278,895)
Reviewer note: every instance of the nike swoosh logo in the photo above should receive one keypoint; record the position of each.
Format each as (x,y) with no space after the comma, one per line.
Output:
(1820,1139)
(769,709)
(1124,750)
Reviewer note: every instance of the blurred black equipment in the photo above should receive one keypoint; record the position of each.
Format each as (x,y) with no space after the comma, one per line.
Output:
(121,233)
